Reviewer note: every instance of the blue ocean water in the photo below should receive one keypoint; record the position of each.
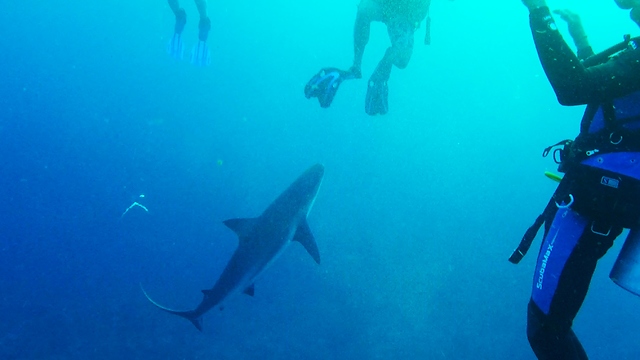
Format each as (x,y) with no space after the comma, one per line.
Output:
(417,215)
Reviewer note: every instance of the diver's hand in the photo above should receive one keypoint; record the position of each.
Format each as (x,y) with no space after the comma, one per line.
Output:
(532,4)
(573,21)
(569,16)
(574,25)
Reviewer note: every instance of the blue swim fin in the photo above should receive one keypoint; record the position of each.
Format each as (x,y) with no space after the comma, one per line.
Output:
(200,55)
(376,101)
(175,48)
(324,85)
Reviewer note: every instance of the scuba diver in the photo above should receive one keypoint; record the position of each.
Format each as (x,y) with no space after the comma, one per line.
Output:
(599,194)
(402,18)
(200,55)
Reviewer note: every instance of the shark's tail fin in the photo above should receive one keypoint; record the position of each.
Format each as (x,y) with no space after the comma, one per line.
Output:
(190,315)
(196,321)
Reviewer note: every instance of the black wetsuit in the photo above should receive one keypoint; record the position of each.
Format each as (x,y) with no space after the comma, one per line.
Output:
(573,83)
(575,239)
(413,11)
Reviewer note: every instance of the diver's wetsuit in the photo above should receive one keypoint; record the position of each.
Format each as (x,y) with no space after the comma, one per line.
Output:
(402,18)
(575,239)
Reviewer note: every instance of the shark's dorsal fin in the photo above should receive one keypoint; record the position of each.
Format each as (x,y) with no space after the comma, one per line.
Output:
(304,236)
(241,227)
(250,290)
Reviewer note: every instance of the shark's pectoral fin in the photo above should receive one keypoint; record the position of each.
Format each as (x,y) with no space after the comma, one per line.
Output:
(241,227)
(250,290)
(304,236)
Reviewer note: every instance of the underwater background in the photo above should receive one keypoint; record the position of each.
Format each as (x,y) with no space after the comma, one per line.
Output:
(418,212)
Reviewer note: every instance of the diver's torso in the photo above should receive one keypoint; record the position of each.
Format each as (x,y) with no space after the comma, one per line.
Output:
(407,10)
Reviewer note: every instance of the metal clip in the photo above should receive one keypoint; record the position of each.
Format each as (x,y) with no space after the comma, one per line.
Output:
(567,205)
(600,233)
(592,152)
(614,142)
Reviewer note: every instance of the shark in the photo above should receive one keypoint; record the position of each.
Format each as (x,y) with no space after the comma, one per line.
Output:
(261,241)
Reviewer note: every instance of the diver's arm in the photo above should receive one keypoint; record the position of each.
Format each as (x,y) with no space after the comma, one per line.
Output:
(174,5)
(572,82)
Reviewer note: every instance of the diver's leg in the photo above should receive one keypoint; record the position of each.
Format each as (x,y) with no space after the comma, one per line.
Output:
(205,23)
(174,5)
(200,55)
(383,70)
(549,340)
(399,53)
(360,39)
(368,11)
(175,47)
(566,263)
(376,101)
(202,8)
(401,35)
(181,15)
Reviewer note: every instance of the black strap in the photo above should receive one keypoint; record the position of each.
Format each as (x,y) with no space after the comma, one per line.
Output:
(559,150)
(531,233)
(603,56)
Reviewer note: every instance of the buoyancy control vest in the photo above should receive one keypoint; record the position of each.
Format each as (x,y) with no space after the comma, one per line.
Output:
(604,195)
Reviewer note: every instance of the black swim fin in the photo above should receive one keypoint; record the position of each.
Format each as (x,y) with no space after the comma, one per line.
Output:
(376,101)
(324,85)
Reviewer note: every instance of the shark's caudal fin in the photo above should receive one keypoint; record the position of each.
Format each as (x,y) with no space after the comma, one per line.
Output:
(304,236)
(189,315)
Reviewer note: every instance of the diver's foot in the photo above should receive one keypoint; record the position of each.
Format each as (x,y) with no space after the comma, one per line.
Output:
(324,85)
(376,101)
(181,20)
(203,28)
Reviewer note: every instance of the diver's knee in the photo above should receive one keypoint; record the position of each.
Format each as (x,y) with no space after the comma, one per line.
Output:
(401,59)
(402,63)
